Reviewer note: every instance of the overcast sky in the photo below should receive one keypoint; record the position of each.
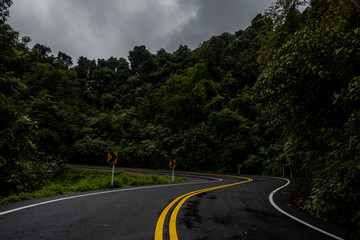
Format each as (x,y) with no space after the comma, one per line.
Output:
(100,29)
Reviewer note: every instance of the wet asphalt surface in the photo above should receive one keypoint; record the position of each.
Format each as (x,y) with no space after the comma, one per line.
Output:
(238,212)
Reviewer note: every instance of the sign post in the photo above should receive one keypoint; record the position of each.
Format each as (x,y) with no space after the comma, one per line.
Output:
(112,175)
(172,164)
(283,167)
(239,167)
(112,159)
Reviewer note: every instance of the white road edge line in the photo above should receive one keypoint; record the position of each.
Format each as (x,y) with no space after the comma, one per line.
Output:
(98,193)
(296,219)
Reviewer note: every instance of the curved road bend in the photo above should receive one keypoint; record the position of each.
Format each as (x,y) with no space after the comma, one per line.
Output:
(238,211)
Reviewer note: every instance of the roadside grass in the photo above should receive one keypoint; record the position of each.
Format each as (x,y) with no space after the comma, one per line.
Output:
(75,180)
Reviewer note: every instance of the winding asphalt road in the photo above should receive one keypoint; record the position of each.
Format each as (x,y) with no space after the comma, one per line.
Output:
(222,207)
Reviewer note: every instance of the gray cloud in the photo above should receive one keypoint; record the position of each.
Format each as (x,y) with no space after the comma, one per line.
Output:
(215,17)
(100,29)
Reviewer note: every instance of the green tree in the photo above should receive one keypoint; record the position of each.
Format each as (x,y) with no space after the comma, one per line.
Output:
(85,67)
(4,10)
(64,59)
(303,80)
(141,60)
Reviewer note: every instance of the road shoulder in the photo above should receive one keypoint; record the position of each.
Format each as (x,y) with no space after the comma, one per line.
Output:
(283,198)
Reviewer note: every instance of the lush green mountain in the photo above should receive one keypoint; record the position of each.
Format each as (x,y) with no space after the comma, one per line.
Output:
(282,96)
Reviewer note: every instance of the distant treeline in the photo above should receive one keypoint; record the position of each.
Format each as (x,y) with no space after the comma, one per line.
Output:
(283,94)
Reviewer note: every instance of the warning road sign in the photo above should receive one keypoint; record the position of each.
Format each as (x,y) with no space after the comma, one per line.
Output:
(112,157)
(172,163)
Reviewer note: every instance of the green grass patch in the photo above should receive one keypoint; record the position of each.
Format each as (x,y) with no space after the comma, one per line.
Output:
(75,180)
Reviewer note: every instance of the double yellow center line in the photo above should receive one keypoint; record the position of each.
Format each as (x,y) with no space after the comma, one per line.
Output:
(159,231)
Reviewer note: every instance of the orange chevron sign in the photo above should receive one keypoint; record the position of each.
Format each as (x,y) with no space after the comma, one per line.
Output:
(112,157)
(172,163)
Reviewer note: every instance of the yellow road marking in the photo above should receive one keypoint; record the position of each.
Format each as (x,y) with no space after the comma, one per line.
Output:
(161,220)
(172,223)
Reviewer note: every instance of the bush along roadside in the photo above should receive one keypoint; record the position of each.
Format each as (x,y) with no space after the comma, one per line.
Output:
(80,180)
(19,177)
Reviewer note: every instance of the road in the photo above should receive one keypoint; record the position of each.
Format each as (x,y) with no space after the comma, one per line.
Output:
(221,208)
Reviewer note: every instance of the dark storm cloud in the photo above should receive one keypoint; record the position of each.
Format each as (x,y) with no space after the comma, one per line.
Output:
(100,29)
(215,17)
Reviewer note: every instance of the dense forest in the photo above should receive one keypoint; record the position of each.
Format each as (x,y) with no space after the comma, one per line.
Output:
(280,97)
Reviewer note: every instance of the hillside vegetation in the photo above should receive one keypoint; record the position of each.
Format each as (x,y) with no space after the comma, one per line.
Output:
(282,95)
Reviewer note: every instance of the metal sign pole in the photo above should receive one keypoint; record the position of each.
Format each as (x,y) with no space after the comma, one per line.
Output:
(112,159)
(112,176)
(173,175)
(172,163)
(283,169)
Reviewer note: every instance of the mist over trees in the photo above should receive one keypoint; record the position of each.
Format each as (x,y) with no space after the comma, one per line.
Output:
(282,94)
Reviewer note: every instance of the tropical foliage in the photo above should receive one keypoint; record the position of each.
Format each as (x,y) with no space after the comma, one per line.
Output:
(280,97)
